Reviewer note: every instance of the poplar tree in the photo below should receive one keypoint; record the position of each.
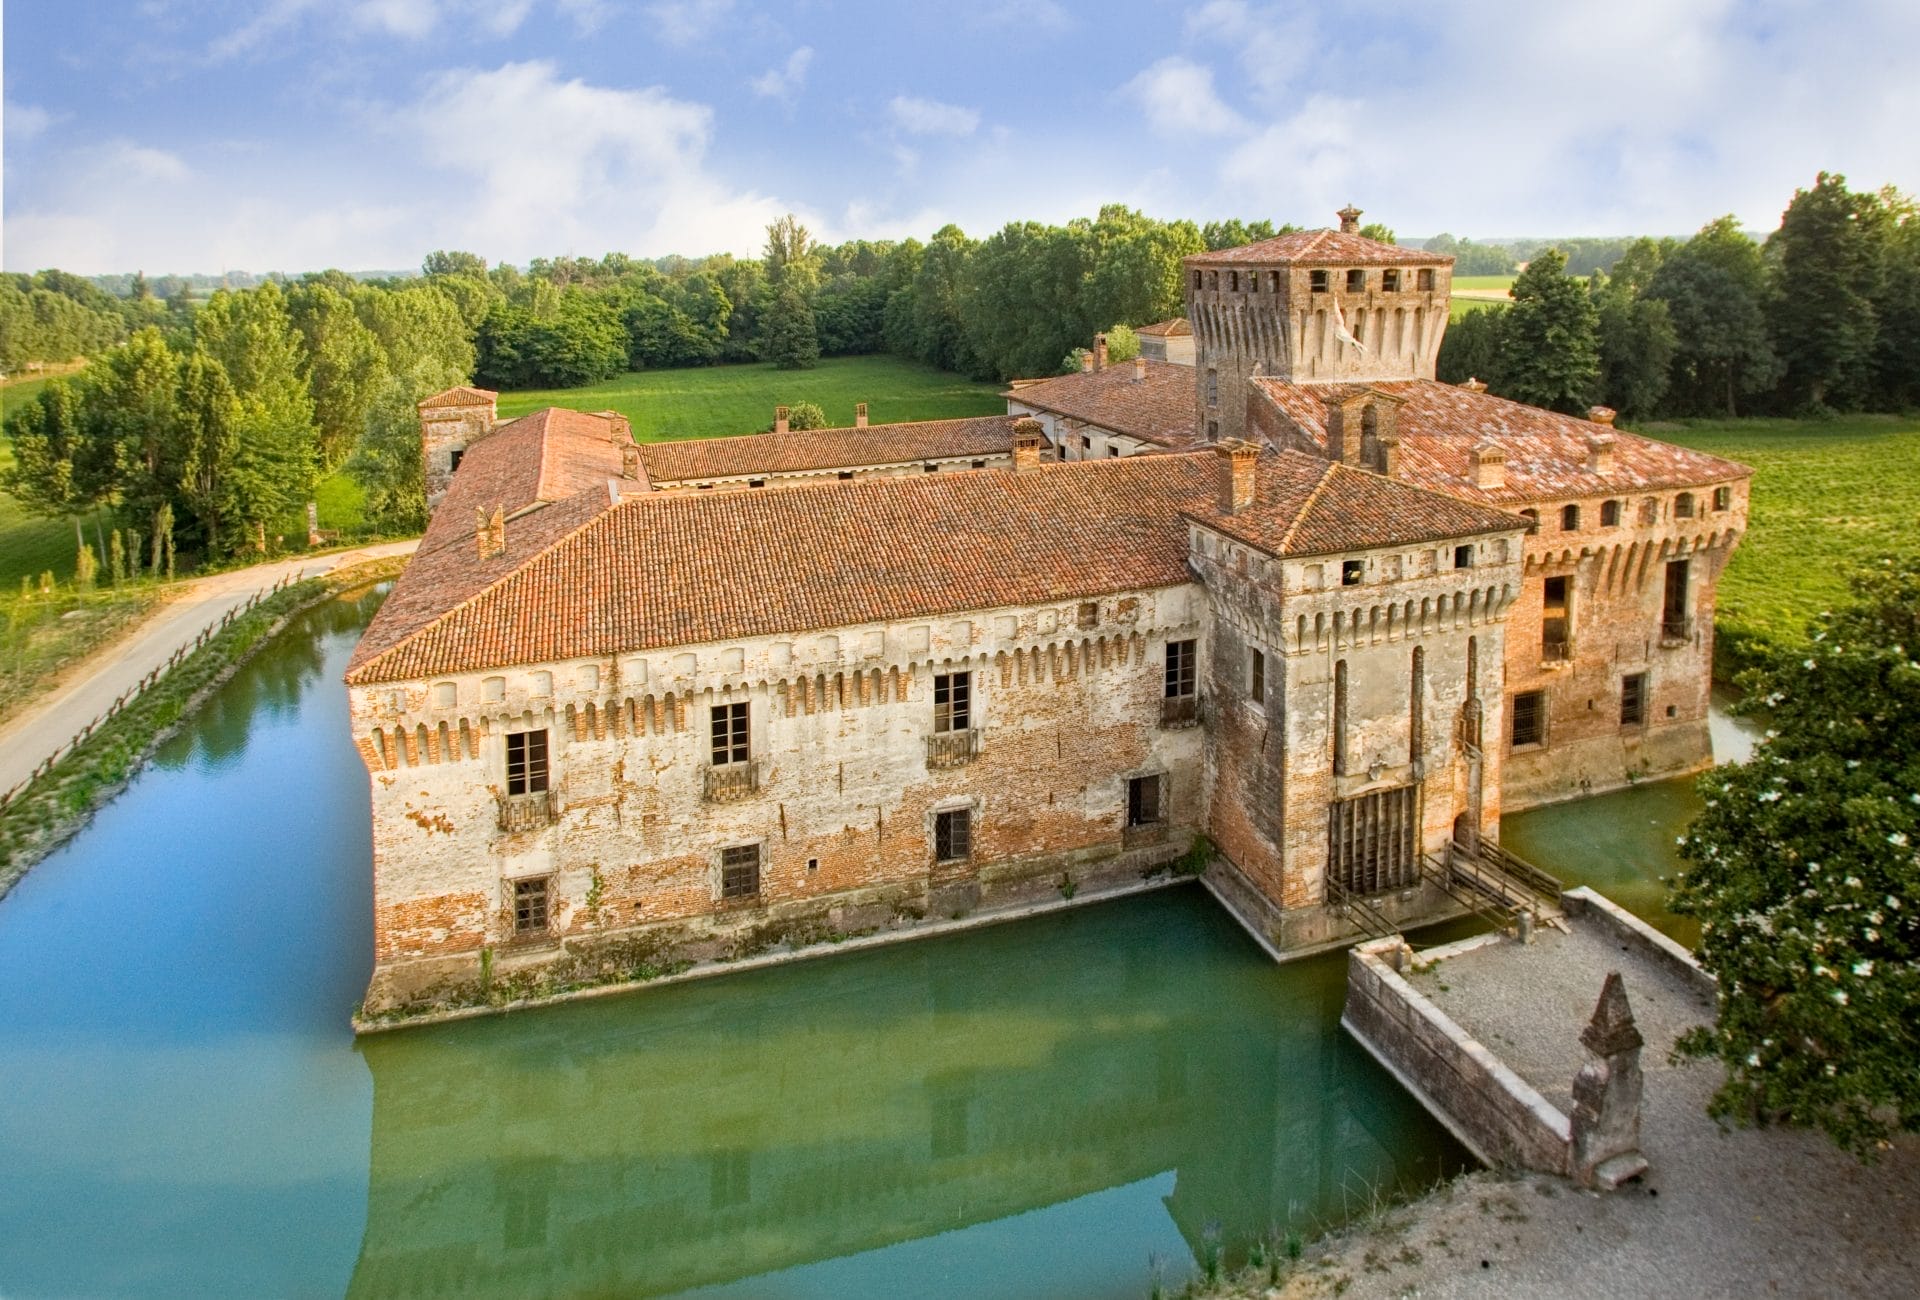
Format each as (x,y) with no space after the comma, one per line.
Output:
(1549,341)
(1827,274)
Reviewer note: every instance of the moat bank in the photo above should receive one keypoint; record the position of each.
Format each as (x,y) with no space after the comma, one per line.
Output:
(1033,1109)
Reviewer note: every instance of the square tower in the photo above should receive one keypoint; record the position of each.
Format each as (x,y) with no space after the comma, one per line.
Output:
(449,423)
(1313,306)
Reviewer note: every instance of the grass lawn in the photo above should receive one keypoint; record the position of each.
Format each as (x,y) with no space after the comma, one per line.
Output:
(1458,307)
(1502,282)
(29,545)
(1828,497)
(712,401)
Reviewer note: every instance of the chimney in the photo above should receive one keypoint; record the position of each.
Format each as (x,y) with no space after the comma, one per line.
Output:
(1602,414)
(1099,352)
(629,461)
(859,415)
(1349,220)
(1236,460)
(1139,369)
(1389,456)
(779,419)
(1473,385)
(1600,454)
(622,431)
(1489,466)
(1086,362)
(490,532)
(1027,437)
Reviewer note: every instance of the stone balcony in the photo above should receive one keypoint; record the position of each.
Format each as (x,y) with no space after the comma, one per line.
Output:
(950,749)
(1178,711)
(533,811)
(731,782)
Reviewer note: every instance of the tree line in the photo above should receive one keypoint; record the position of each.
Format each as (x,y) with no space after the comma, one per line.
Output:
(1823,315)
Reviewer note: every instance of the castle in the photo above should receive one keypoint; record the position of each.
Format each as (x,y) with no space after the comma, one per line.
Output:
(631,706)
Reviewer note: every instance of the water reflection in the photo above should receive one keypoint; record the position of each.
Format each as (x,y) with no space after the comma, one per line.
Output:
(759,1123)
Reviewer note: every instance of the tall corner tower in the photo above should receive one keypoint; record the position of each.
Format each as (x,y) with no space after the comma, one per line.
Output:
(1314,306)
(449,423)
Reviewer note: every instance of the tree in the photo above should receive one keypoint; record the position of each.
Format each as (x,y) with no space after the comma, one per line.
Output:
(1821,309)
(344,367)
(789,337)
(803,416)
(130,420)
(1897,307)
(1549,346)
(418,324)
(1714,287)
(1377,231)
(1472,348)
(791,257)
(271,471)
(444,262)
(208,435)
(1805,875)
(1636,345)
(1134,271)
(55,470)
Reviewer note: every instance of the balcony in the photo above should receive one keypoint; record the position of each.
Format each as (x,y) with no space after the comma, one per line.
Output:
(732,782)
(1180,711)
(1556,650)
(527,812)
(1676,630)
(950,749)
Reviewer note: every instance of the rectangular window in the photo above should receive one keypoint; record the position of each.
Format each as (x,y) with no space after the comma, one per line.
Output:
(1351,572)
(1390,282)
(1180,669)
(1683,506)
(953,835)
(530,904)
(527,762)
(1463,557)
(740,871)
(1529,718)
(978,464)
(729,734)
(1722,498)
(1257,678)
(1088,614)
(1317,281)
(1633,699)
(1213,388)
(1673,608)
(1356,281)
(453,458)
(1556,621)
(1426,281)
(952,701)
(845,476)
(1143,801)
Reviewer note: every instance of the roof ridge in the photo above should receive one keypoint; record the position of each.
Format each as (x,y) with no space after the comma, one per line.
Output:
(1306,507)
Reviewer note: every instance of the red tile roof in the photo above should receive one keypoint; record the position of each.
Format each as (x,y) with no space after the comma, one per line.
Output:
(1547,453)
(1178,326)
(588,576)
(699,459)
(1158,409)
(1317,247)
(461,397)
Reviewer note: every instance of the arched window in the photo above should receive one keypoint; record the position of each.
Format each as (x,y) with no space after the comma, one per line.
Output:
(1570,519)
(1683,506)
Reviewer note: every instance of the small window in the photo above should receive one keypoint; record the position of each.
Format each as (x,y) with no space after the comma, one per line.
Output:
(1529,718)
(1112,452)
(1722,499)
(1213,388)
(1633,699)
(1569,519)
(953,835)
(1089,613)
(1356,281)
(1213,431)
(1180,669)
(1609,514)
(1351,572)
(1233,281)
(952,701)
(845,476)
(1196,279)
(1390,282)
(454,457)
(532,902)
(1425,280)
(729,734)
(756,482)
(1463,557)
(1143,801)
(527,762)
(931,469)
(1683,506)
(1316,281)
(740,871)
(978,464)
(1257,677)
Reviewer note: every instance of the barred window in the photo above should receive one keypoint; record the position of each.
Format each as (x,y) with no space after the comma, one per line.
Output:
(1609,514)
(953,835)
(1633,699)
(1180,669)
(952,701)
(531,899)
(1529,718)
(740,871)
(527,762)
(729,734)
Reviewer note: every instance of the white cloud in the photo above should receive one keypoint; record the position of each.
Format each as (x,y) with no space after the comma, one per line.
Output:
(411,19)
(256,31)
(683,22)
(786,80)
(26,122)
(930,117)
(1178,99)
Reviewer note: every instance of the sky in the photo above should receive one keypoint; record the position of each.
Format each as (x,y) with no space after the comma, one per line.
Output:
(209,135)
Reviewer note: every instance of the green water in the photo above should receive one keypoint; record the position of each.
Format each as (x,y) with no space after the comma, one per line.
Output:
(1044,1108)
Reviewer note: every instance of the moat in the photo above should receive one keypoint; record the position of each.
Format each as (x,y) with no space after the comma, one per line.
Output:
(1048,1107)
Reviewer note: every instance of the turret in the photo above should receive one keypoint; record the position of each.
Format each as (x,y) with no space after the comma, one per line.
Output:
(450,422)
(1315,305)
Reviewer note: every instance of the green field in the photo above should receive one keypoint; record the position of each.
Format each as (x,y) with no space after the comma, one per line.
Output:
(1458,307)
(29,545)
(718,400)
(1828,497)
(1501,282)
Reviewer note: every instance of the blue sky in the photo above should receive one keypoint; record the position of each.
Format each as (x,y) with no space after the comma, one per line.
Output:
(197,135)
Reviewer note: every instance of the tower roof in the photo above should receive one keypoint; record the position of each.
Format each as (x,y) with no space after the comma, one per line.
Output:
(1319,248)
(463,396)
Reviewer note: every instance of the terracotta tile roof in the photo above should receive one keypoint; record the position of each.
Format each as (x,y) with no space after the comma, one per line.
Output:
(1331,247)
(822,449)
(1546,453)
(1176,327)
(1304,505)
(460,397)
(1158,409)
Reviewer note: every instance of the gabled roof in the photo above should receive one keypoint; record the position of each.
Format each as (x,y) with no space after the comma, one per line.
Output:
(697,459)
(460,397)
(1159,408)
(1440,425)
(1320,247)
(1174,328)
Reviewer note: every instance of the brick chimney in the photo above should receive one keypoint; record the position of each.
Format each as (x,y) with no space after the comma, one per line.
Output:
(629,461)
(1099,352)
(1236,459)
(1389,456)
(621,430)
(1086,362)
(1600,454)
(1349,220)
(859,415)
(490,532)
(1139,369)
(1027,438)
(1473,385)
(1489,466)
(1602,414)
(779,419)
